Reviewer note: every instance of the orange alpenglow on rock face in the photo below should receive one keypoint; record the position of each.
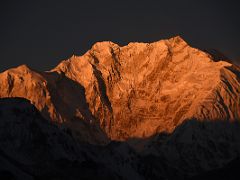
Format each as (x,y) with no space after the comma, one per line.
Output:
(132,91)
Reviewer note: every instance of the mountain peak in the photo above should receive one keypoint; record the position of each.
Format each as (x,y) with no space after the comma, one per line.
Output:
(177,40)
(20,69)
(23,67)
(178,37)
(132,91)
(104,45)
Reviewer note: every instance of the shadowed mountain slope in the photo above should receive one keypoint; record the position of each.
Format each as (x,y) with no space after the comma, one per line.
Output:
(34,148)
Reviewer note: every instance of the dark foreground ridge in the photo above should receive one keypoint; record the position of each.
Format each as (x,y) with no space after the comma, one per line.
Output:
(34,148)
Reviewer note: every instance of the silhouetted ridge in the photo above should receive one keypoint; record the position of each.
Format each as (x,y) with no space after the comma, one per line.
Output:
(34,148)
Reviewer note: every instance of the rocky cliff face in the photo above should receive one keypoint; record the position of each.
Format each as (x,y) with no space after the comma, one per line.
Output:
(134,91)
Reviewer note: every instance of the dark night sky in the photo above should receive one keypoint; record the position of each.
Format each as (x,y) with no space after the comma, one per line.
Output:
(41,34)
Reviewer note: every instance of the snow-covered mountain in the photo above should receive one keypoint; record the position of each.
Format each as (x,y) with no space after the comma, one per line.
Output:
(134,91)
